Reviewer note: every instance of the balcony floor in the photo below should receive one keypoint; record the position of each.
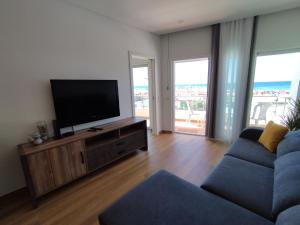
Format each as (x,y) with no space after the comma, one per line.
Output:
(191,127)
(195,126)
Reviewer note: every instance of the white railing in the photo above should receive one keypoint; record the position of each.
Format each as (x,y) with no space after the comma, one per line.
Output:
(266,108)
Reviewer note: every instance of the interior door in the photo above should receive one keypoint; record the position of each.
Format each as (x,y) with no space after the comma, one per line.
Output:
(140,76)
(143,90)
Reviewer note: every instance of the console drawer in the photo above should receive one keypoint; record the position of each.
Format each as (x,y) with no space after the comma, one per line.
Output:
(99,156)
(129,143)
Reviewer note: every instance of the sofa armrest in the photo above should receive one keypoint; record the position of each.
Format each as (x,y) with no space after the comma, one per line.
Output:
(252,133)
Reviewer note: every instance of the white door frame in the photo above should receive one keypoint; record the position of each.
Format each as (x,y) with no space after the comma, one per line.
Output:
(172,88)
(152,88)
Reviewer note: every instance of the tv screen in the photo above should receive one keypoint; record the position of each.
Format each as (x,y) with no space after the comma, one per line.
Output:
(82,101)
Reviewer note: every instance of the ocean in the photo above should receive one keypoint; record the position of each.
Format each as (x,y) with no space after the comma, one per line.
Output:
(258,86)
(272,86)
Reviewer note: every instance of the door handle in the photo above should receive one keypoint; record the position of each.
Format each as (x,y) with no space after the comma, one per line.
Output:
(82,158)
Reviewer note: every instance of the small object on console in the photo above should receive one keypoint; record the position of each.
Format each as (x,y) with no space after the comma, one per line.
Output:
(94,129)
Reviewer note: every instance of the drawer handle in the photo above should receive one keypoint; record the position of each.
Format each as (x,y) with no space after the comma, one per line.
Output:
(120,143)
(82,158)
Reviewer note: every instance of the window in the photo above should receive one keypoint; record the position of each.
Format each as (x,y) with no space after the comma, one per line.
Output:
(276,82)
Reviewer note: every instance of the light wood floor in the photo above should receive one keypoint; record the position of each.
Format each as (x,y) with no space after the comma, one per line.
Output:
(190,157)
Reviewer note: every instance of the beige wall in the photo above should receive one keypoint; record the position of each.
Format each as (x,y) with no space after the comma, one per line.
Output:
(46,39)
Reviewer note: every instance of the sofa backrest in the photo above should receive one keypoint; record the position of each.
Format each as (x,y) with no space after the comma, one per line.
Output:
(290,143)
(291,216)
(286,191)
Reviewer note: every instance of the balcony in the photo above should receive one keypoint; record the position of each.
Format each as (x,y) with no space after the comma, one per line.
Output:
(141,105)
(268,106)
(190,112)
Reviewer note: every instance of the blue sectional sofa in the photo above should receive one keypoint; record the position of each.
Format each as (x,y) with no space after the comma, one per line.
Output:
(250,186)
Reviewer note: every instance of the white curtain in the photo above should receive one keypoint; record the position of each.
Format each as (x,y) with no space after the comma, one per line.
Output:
(234,56)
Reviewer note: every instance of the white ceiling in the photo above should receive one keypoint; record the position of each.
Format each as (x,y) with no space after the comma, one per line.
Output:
(164,16)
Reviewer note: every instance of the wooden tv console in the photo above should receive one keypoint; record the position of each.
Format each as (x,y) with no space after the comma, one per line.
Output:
(60,161)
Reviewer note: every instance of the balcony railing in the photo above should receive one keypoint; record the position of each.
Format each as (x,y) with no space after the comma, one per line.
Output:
(266,108)
(190,109)
(190,112)
(141,105)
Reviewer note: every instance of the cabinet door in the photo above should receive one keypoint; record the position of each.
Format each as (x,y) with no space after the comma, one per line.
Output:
(61,165)
(77,159)
(40,171)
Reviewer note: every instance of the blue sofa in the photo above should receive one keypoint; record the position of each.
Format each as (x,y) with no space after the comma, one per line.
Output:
(250,186)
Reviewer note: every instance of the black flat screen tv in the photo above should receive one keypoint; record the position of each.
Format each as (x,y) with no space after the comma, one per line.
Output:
(83,101)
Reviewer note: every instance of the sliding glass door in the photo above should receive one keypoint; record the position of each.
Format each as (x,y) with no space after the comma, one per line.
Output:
(276,83)
(190,96)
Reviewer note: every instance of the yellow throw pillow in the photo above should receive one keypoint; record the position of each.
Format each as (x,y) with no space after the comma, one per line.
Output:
(272,135)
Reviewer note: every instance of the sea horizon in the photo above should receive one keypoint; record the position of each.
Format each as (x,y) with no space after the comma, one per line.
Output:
(258,86)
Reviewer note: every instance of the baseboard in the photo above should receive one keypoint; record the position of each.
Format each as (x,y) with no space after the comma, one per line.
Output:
(165,132)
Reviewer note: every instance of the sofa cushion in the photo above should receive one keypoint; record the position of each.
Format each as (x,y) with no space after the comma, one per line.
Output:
(165,199)
(291,216)
(290,143)
(272,135)
(287,161)
(252,151)
(247,184)
(252,133)
(286,182)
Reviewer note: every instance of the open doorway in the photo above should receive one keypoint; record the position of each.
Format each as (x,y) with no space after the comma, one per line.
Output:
(190,96)
(142,88)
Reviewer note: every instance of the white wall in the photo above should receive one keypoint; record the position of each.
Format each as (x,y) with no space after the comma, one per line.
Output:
(48,39)
(189,44)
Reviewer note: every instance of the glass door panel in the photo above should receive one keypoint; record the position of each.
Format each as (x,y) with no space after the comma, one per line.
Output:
(190,96)
(276,83)
(141,92)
